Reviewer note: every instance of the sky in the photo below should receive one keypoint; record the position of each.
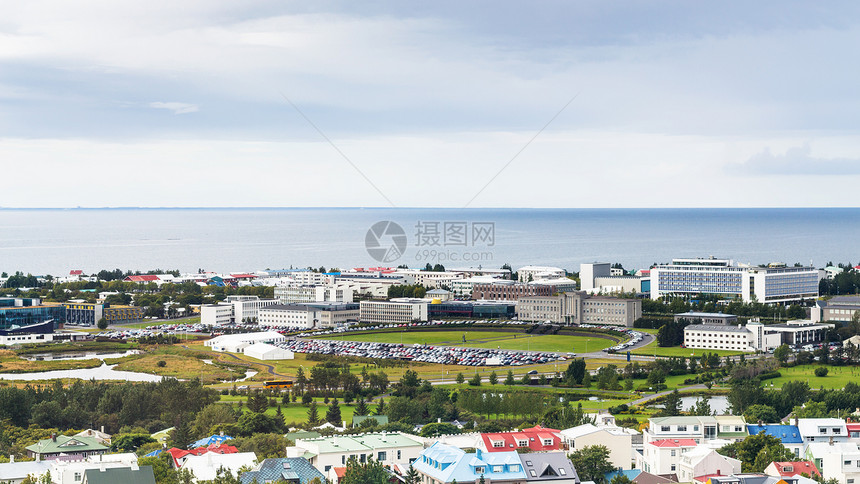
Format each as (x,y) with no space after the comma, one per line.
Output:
(438,104)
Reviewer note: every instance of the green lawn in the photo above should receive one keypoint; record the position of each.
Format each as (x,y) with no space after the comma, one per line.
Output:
(837,376)
(484,339)
(296,412)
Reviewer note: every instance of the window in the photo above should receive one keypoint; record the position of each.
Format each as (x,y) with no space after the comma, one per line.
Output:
(837,430)
(532,473)
(498,444)
(682,428)
(398,455)
(498,468)
(561,471)
(343,459)
(327,468)
(547,441)
(529,463)
(479,470)
(847,463)
(695,428)
(738,428)
(381,456)
(673,453)
(77,476)
(822,430)
(522,443)
(515,468)
(664,428)
(673,467)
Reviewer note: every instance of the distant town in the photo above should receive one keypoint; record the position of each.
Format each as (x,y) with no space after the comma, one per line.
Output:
(699,370)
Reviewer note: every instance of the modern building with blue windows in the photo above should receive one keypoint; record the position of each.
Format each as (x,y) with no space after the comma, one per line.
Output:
(773,283)
(18,313)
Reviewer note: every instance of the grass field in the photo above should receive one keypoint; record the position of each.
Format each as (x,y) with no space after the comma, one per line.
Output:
(12,363)
(837,376)
(485,339)
(296,412)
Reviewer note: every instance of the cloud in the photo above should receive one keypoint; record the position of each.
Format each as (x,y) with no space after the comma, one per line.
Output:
(177,108)
(796,161)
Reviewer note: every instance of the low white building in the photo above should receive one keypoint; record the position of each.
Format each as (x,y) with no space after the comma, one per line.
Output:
(205,466)
(310,315)
(836,460)
(618,440)
(823,430)
(70,470)
(265,351)
(392,448)
(705,461)
(663,456)
(235,309)
(399,310)
(235,343)
(535,273)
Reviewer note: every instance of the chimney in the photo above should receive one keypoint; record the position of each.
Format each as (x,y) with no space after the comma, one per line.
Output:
(53,436)
(11,458)
(796,421)
(221,433)
(103,429)
(89,431)
(831,440)
(439,420)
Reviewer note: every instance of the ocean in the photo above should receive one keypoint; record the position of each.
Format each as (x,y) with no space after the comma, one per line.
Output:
(55,241)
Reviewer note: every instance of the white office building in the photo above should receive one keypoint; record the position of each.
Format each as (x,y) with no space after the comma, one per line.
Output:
(235,309)
(308,316)
(536,273)
(399,310)
(772,284)
(599,277)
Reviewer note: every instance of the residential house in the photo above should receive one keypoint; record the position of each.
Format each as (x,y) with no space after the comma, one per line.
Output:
(699,428)
(99,435)
(638,476)
(836,460)
(295,470)
(62,444)
(181,455)
(205,466)
(789,469)
(70,469)
(618,440)
(536,439)
(388,448)
(443,464)
(14,472)
(551,467)
(754,479)
(215,439)
(663,456)
(789,435)
(705,461)
(125,475)
(822,430)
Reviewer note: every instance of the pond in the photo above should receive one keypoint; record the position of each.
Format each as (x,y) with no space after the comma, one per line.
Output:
(719,404)
(104,372)
(101,355)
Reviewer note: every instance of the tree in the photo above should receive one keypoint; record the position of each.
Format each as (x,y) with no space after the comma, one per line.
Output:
(412,476)
(210,416)
(509,380)
(460,378)
(781,353)
(592,463)
(575,371)
(761,413)
(313,414)
(435,429)
(264,445)
(102,324)
(754,450)
(671,405)
(811,410)
(821,371)
(332,415)
(180,436)
(380,407)
(129,442)
(475,381)
(494,378)
(702,406)
(620,479)
(370,472)
(251,423)
(360,408)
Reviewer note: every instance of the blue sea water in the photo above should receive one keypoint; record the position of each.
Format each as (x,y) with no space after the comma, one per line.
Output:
(54,241)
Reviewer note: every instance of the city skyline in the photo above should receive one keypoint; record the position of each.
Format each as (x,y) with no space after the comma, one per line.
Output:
(486,104)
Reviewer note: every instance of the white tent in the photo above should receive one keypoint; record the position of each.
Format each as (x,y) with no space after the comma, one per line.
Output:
(263,351)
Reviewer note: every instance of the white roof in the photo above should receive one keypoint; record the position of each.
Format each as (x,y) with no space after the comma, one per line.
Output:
(809,426)
(579,431)
(20,470)
(205,466)
(228,339)
(818,449)
(265,349)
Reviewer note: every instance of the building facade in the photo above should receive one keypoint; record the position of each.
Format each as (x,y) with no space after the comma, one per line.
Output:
(400,310)
(315,315)
(580,308)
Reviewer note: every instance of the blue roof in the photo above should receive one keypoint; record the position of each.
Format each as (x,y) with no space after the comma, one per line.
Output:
(283,469)
(446,463)
(154,453)
(630,474)
(207,441)
(788,434)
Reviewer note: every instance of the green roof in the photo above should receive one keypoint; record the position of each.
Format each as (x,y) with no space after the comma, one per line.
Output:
(362,442)
(125,475)
(66,445)
(380,419)
(302,434)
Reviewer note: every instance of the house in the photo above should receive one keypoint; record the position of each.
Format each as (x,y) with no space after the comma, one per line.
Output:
(215,439)
(61,444)
(789,435)
(552,467)
(295,470)
(638,476)
(389,448)
(125,475)
(836,460)
(99,435)
(205,466)
(70,469)
(536,439)
(788,469)
(181,455)
(14,472)
(822,430)
(705,461)
(752,478)
(619,442)
(701,429)
(444,464)
(853,431)
(470,440)
(663,456)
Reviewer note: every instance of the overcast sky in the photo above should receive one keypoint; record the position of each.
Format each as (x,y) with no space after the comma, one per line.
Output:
(677,104)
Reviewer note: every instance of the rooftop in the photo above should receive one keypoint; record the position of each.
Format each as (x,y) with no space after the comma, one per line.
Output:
(788,434)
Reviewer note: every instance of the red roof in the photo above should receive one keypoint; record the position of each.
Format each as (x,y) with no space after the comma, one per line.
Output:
(707,476)
(76,272)
(674,443)
(144,278)
(243,276)
(788,469)
(340,472)
(853,427)
(533,437)
(178,454)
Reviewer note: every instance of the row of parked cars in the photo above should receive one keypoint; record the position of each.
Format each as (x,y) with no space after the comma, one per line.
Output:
(448,355)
